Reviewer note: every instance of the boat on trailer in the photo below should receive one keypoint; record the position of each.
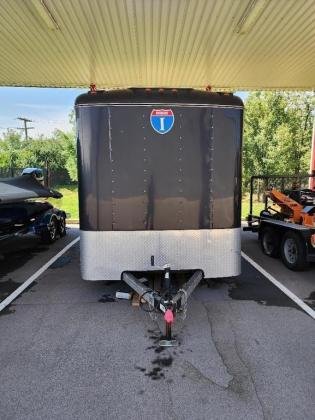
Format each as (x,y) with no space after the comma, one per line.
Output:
(20,215)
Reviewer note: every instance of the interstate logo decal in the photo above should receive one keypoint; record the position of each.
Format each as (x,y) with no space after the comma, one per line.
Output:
(162,120)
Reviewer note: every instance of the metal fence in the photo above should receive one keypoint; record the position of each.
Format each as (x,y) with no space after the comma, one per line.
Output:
(261,184)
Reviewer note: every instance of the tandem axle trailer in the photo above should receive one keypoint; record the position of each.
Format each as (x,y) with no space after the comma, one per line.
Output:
(159,186)
(278,233)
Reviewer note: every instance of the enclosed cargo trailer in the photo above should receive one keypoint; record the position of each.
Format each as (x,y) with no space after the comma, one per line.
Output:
(159,181)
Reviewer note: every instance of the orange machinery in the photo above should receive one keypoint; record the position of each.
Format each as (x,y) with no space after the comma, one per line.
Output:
(295,212)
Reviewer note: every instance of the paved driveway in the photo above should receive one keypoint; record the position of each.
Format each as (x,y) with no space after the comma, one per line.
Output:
(245,351)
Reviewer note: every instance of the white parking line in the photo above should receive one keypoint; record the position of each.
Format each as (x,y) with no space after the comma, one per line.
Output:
(280,286)
(30,280)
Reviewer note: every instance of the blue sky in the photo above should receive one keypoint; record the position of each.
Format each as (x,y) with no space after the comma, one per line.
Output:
(48,108)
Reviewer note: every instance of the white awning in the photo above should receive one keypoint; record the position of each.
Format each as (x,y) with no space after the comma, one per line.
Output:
(227,44)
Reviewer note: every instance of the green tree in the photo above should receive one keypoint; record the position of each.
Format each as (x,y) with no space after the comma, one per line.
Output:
(277,134)
(44,153)
(11,150)
(69,152)
(56,152)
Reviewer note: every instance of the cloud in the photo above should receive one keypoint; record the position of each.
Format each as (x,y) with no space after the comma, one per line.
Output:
(40,106)
(43,122)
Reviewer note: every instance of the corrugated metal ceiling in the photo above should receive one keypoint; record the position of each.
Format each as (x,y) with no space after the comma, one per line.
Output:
(228,44)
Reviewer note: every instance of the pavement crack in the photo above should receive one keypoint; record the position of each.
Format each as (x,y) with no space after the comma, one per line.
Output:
(249,372)
(240,372)
(224,362)
(194,371)
(172,414)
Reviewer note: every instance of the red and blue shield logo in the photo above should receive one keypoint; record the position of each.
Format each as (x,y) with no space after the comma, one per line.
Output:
(162,120)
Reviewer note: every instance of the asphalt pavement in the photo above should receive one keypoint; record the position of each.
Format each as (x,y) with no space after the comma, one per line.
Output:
(67,351)
(301,283)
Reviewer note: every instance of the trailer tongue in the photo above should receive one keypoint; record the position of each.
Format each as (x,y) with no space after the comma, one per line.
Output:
(165,302)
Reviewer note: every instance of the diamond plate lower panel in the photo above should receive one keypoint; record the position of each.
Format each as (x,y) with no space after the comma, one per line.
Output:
(105,255)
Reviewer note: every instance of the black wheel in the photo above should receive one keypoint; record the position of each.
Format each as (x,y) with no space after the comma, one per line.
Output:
(270,242)
(49,233)
(62,227)
(293,251)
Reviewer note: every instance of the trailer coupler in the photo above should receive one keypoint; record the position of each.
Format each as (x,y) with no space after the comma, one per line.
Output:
(167,304)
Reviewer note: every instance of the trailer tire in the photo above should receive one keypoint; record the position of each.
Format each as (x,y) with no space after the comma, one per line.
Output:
(49,233)
(293,251)
(62,227)
(270,242)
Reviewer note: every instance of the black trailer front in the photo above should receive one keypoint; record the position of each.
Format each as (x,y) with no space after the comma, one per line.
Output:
(159,181)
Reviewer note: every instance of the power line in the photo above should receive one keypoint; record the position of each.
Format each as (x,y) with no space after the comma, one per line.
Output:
(26,127)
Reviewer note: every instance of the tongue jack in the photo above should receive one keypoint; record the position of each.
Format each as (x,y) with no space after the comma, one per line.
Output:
(169,319)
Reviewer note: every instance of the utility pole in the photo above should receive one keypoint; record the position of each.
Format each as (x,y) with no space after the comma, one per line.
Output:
(26,127)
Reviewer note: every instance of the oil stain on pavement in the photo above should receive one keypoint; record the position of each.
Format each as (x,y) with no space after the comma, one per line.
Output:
(6,288)
(159,367)
(15,255)
(163,359)
(310,301)
(61,262)
(252,285)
